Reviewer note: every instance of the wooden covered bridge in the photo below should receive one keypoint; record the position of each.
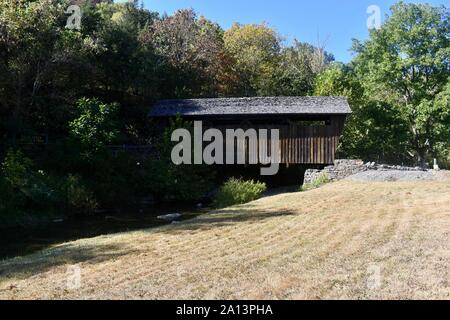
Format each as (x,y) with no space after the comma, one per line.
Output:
(309,127)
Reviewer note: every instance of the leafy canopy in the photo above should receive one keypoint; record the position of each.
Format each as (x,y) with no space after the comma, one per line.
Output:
(96,125)
(406,65)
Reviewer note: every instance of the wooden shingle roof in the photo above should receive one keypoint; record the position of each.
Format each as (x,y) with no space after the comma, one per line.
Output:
(252,106)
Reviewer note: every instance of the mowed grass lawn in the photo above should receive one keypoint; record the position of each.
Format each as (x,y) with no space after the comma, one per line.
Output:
(352,240)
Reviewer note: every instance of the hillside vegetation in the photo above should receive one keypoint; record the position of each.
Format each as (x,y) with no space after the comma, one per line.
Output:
(75,136)
(344,240)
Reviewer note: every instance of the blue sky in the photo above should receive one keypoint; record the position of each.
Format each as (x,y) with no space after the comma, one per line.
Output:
(333,22)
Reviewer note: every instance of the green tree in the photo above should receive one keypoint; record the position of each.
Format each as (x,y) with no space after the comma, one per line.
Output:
(298,68)
(96,125)
(29,32)
(45,67)
(405,66)
(191,48)
(174,182)
(127,70)
(374,131)
(255,50)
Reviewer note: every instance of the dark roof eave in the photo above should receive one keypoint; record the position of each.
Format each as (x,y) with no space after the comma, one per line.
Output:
(236,115)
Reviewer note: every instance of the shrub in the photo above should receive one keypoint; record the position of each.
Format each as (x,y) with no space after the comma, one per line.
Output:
(28,186)
(26,194)
(79,199)
(238,191)
(96,125)
(43,190)
(16,168)
(320,181)
(168,181)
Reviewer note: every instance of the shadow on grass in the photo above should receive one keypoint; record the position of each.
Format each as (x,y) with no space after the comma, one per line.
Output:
(225,217)
(75,253)
(67,254)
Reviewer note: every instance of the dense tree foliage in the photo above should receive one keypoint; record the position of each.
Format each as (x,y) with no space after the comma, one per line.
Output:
(406,65)
(300,65)
(132,56)
(96,125)
(255,50)
(192,49)
(398,87)
(89,88)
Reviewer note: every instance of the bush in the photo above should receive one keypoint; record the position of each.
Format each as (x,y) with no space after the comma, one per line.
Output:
(28,186)
(114,179)
(96,125)
(16,168)
(168,181)
(320,181)
(27,196)
(79,199)
(238,191)
(25,189)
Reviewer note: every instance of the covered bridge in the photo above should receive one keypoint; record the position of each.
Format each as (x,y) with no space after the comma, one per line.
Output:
(310,127)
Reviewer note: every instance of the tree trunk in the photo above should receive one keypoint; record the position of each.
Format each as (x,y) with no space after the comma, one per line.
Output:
(422,154)
(421,160)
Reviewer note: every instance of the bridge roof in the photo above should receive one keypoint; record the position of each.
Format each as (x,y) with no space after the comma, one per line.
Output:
(252,106)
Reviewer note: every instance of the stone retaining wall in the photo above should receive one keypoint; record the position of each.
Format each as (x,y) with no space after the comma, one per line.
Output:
(341,170)
(345,168)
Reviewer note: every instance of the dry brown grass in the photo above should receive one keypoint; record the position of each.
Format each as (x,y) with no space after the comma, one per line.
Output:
(320,244)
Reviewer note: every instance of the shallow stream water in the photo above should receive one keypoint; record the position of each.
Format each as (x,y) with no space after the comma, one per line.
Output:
(20,241)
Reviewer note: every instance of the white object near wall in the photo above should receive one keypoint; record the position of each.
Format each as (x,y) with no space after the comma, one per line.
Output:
(436,166)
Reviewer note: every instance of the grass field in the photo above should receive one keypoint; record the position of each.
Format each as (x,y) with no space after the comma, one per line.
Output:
(352,240)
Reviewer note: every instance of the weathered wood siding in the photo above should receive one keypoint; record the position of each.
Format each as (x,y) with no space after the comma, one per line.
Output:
(299,144)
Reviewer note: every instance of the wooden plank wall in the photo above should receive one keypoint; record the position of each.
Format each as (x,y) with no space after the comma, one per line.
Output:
(299,144)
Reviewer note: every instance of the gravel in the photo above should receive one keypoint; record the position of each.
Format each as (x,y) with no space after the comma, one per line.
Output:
(394,175)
